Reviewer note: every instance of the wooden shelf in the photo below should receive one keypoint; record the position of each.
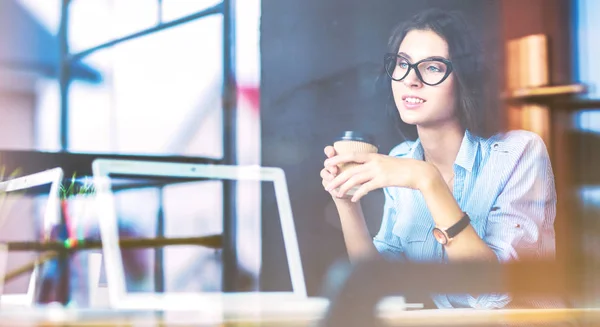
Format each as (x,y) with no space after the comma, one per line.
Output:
(575,104)
(544,92)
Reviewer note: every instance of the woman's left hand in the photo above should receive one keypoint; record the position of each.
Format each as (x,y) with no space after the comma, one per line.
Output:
(377,171)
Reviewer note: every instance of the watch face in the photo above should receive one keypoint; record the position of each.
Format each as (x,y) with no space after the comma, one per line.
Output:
(440,236)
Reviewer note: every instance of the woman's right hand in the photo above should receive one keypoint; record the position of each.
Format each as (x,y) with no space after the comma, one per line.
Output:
(328,173)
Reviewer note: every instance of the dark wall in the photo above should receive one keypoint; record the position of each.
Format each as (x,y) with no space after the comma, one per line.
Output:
(320,61)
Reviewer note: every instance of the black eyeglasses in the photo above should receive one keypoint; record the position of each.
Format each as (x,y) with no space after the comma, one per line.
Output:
(430,71)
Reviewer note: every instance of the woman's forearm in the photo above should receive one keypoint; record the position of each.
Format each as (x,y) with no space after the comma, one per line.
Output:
(359,242)
(467,245)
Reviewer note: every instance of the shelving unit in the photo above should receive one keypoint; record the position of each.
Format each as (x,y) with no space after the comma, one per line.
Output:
(541,97)
(543,93)
(573,154)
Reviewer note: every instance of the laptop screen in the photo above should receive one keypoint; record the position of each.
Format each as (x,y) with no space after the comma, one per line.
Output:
(147,206)
(22,220)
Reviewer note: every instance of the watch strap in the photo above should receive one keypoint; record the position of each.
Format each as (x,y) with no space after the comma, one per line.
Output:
(459,226)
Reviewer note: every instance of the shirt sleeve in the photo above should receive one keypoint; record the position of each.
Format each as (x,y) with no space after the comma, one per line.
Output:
(386,243)
(521,222)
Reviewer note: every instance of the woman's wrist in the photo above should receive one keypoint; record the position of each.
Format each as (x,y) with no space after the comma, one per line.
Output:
(429,178)
(440,201)
(344,202)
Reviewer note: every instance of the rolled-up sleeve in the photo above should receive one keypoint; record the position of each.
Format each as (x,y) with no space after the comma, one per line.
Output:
(521,222)
(386,243)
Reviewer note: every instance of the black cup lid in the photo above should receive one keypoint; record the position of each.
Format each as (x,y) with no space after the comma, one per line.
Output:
(357,136)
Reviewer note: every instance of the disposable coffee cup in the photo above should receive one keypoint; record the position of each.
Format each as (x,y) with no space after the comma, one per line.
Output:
(353,142)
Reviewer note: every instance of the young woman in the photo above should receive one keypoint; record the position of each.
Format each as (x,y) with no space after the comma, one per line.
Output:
(452,194)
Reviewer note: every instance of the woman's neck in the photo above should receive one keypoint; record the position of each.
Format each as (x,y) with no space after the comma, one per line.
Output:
(441,144)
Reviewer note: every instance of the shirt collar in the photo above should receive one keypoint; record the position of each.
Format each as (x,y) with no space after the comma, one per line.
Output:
(416,150)
(466,154)
(468,151)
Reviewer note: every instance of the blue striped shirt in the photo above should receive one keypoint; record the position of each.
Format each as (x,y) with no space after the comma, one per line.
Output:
(506,185)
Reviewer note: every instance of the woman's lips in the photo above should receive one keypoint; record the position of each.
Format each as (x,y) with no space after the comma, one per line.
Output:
(412,102)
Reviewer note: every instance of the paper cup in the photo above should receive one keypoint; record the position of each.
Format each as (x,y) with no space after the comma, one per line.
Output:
(353,142)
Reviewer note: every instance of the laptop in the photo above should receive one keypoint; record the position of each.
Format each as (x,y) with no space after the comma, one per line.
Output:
(107,171)
(211,306)
(29,211)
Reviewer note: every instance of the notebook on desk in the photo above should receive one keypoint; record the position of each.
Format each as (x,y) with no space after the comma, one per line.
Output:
(29,212)
(105,171)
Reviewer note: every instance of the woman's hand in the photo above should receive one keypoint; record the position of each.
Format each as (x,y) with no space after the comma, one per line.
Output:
(328,173)
(377,171)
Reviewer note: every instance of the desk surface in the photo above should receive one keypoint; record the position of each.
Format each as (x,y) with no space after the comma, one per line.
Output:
(454,317)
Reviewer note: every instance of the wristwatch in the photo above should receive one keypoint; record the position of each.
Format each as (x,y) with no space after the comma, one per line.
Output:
(445,236)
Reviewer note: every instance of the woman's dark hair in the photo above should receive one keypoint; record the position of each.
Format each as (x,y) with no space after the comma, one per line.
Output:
(466,56)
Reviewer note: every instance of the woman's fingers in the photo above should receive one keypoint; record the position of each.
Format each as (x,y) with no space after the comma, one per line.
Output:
(350,157)
(342,178)
(329,151)
(333,170)
(326,175)
(363,190)
(355,180)
(326,178)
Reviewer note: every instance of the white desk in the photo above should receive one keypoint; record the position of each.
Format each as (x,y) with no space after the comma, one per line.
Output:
(293,313)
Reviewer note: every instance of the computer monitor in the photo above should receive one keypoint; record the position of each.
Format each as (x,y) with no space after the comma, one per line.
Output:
(29,212)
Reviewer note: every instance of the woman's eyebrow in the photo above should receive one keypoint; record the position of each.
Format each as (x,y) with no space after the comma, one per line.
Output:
(405,55)
(437,57)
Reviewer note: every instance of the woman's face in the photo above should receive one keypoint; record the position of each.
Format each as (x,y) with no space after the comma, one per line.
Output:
(418,103)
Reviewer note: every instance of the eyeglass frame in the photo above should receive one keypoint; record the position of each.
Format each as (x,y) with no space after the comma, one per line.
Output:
(395,56)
